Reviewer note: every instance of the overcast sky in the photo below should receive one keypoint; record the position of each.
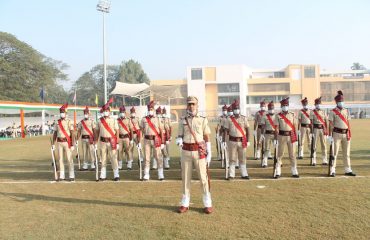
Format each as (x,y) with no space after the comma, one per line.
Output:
(166,36)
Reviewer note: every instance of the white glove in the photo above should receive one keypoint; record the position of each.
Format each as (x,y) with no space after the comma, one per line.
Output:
(179,142)
(95,147)
(248,144)
(224,144)
(262,137)
(53,147)
(170,139)
(255,133)
(118,146)
(330,139)
(220,138)
(76,143)
(132,142)
(72,148)
(311,135)
(217,136)
(209,152)
(138,145)
(162,146)
(167,142)
(275,142)
(299,132)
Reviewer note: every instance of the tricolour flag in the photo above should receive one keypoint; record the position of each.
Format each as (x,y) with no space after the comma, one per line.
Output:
(74,98)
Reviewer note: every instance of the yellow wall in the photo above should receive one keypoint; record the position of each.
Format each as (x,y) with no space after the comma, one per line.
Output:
(210,74)
(211,98)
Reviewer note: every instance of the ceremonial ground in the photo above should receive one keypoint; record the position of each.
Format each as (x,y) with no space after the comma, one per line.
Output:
(312,207)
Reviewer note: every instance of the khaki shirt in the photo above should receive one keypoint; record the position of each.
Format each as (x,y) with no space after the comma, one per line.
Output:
(90,124)
(303,118)
(258,116)
(267,123)
(167,123)
(337,121)
(224,121)
(127,122)
(282,125)
(220,123)
(321,113)
(233,131)
(67,125)
(135,123)
(148,130)
(112,123)
(199,126)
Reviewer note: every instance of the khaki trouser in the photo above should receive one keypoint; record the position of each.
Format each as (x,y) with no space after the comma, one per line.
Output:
(63,147)
(106,149)
(285,141)
(319,134)
(304,133)
(259,143)
(341,139)
(237,152)
(133,146)
(269,140)
(87,152)
(148,145)
(188,158)
(124,147)
(165,152)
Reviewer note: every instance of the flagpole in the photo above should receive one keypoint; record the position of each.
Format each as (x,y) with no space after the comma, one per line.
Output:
(75,114)
(43,112)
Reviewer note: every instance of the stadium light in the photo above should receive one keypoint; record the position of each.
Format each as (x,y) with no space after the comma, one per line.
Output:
(104,7)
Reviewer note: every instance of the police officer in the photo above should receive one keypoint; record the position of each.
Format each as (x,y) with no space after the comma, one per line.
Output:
(153,139)
(193,134)
(168,138)
(63,135)
(86,129)
(108,133)
(258,127)
(320,130)
(268,131)
(304,127)
(286,136)
(340,134)
(125,138)
(220,131)
(237,127)
(136,133)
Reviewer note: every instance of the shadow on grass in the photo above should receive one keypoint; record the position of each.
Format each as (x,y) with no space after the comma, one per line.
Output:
(26,197)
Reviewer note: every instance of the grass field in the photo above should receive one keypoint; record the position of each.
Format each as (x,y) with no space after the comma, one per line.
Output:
(312,207)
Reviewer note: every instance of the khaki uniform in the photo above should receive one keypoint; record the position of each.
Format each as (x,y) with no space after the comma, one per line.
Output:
(219,132)
(105,147)
(124,140)
(199,126)
(304,130)
(340,139)
(269,136)
(258,121)
(149,136)
(166,150)
(318,133)
(63,147)
(286,141)
(135,130)
(237,152)
(87,148)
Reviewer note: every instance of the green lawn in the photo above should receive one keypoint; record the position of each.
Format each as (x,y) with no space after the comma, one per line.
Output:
(312,207)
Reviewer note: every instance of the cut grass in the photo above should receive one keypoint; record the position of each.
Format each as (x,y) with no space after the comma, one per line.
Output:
(313,207)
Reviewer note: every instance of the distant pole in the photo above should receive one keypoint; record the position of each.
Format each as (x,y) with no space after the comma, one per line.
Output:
(22,123)
(104,6)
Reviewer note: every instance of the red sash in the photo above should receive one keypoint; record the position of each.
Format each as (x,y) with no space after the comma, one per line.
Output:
(64,132)
(322,122)
(113,139)
(236,124)
(138,133)
(270,121)
(158,140)
(124,127)
(345,122)
(305,113)
(91,140)
(293,135)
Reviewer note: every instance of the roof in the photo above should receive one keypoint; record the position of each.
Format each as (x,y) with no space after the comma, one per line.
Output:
(128,89)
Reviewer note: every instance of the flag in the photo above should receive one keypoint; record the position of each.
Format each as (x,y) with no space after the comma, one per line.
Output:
(74,98)
(96,99)
(42,94)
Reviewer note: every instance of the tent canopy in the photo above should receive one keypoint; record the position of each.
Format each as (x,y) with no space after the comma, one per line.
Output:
(128,89)
(164,91)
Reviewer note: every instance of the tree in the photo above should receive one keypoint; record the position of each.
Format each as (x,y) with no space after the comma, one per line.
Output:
(358,66)
(132,72)
(24,71)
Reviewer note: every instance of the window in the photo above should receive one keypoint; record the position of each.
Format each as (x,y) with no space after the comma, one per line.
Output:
(196,74)
(271,87)
(279,74)
(309,71)
(228,87)
(258,99)
(353,91)
(227,100)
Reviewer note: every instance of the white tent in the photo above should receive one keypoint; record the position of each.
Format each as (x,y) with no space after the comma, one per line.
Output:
(128,89)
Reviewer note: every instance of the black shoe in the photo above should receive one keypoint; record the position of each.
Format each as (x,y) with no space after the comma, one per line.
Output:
(269,158)
(161,179)
(300,157)
(61,179)
(102,179)
(230,178)
(167,168)
(71,179)
(245,177)
(236,167)
(350,174)
(153,169)
(120,169)
(332,175)
(116,179)
(129,169)
(92,169)
(295,176)
(264,166)
(84,169)
(313,164)
(325,164)
(277,176)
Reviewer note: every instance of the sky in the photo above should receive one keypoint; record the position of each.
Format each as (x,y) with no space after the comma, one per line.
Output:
(166,36)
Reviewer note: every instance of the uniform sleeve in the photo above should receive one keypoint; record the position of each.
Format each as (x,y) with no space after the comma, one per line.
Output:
(331,116)
(115,124)
(97,125)
(70,126)
(181,128)
(93,123)
(206,129)
(299,115)
(246,123)
(348,115)
(263,120)
(79,126)
(227,123)
(141,124)
(311,115)
(276,121)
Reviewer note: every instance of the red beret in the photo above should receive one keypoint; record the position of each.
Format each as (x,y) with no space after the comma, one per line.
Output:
(164,110)
(122,109)
(304,101)
(271,105)
(63,108)
(285,101)
(263,103)
(158,110)
(86,110)
(224,108)
(106,106)
(132,110)
(236,104)
(318,101)
(150,105)
(339,97)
